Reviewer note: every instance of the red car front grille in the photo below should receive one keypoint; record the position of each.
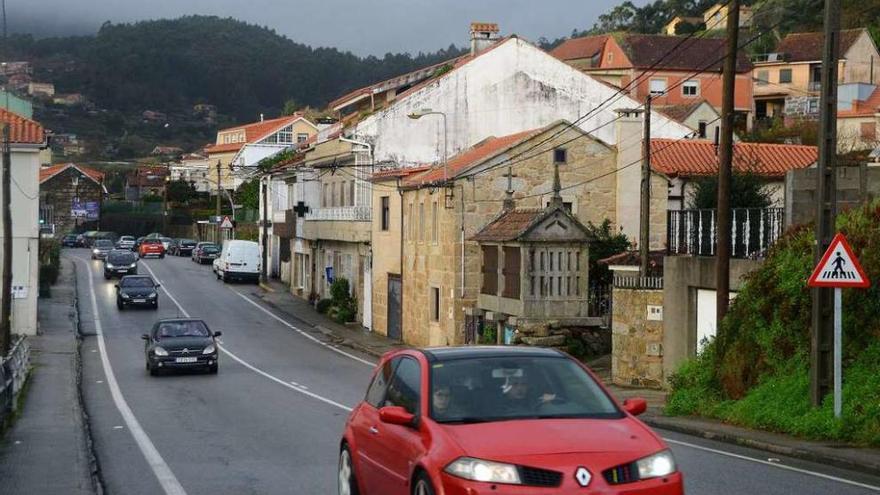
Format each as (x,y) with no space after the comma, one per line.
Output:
(539,477)
(625,473)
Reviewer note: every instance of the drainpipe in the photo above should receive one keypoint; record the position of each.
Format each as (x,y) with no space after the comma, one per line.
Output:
(461,197)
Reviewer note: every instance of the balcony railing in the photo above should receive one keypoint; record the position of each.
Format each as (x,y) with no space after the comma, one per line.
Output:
(349,213)
(694,232)
(814,86)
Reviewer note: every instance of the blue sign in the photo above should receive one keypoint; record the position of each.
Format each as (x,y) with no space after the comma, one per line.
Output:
(93,210)
(89,210)
(329,274)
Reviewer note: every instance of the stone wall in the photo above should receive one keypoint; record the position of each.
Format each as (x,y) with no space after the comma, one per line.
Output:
(59,192)
(636,342)
(855,185)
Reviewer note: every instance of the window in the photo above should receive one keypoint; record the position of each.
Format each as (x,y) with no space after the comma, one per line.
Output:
(386,212)
(376,391)
(434,222)
(658,86)
(560,155)
(511,273)
(785,75)
(813,105)
(334,188)
(325,196)
(302,137)
(421,221)
(411,223)
(435,304)
(690,88)
(869,131)
(342,193)
(490,270)
(701,129)
(405,387)
(610,57)
(763,78)
(285,136)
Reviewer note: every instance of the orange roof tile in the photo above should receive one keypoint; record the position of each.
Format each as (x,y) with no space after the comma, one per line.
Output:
(807,47)
(864,108)
(47,173)
(224,148)
(22,130)
(253,132)
(697,157)
(509,225)
(393,173)
(578,48)
(472,156)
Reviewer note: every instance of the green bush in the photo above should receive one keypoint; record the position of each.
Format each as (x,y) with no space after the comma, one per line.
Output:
(756,372)
(50,262)
(323,305)
(489,335)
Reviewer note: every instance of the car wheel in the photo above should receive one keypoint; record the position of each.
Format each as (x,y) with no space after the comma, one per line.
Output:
(156,305)
(120,305)
(423,485)
(153,371)
(106,276)
(213,369)
(162,256)
(347,481)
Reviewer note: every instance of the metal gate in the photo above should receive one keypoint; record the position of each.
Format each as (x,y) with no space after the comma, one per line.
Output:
(394,309)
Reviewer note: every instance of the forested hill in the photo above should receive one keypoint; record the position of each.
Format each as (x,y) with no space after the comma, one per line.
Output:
(170,65)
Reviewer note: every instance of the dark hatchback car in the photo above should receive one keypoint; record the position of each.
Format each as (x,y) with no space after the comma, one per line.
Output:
(182,247)
(120,262)
(137,290)
(180,343)
(69,241)
(207,254)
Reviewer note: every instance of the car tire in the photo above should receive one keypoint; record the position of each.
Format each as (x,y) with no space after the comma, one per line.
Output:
(120,305)
(153,371)
(423,485)
(162,256)
(213,369)
(347,482)
(106,276)
(156,305)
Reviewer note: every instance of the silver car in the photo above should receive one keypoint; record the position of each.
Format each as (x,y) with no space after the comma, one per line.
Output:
(126,242)
(101,248)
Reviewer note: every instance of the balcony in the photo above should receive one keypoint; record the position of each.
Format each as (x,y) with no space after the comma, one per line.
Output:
(341,213)
(694,232)
(814,86)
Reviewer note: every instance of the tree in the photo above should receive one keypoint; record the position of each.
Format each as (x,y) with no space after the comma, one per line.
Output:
(181,191)
(747,190)
(249,194)
(290,107)
(606,242)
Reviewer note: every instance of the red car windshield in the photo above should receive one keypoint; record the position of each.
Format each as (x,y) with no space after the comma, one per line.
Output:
(508,388)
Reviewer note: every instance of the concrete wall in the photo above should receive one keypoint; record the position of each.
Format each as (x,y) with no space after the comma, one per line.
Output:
(682,277)
(857,67)
(854,186)
(636,341)
(511,88)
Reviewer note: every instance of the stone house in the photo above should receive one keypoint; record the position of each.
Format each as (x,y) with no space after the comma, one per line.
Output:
(787,81)
(667,71)
(27,139)
(858,117)
(146,181)
(70,198)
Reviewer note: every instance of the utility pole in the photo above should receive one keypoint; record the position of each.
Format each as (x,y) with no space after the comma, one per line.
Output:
(725,162)
(217,206)
(265,236)
(822,334)
(644,225)
(165,207)
(6,291)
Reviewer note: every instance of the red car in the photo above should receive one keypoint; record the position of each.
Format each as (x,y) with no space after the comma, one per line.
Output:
(151,247)
(499,420)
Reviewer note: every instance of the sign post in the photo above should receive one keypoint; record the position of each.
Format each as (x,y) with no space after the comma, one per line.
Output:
(838,268)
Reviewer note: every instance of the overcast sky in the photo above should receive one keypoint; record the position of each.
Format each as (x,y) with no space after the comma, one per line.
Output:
(361,26)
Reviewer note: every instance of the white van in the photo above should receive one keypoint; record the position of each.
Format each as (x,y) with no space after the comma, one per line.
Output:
(238,260)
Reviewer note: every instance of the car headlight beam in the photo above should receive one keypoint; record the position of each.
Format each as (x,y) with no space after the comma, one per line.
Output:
(486,471)
(654,466)
(160,351)
(211,349)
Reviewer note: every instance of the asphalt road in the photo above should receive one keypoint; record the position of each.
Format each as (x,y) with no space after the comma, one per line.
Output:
(270,421)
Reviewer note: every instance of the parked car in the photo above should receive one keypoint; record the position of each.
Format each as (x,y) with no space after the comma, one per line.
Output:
(138,242)
(69,241)
(120,262)
(206,254)
(101,248)
(126,242)
(498,420)
(137,290)
(180,343)
(238,260)
(182,247)
(151,247)
(166,242)
(200,245)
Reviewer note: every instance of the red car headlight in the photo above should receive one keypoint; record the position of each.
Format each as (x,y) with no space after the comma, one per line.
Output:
(473,469)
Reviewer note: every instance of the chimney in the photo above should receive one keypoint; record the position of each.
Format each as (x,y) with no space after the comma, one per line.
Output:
(483,35)
(261,117)
(629,129)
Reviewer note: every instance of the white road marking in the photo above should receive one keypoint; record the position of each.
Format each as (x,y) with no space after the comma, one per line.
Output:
(158,465)
(304,334)
(249,366)
(773,464)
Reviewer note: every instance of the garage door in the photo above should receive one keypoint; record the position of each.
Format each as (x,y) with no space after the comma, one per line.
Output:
(706,315)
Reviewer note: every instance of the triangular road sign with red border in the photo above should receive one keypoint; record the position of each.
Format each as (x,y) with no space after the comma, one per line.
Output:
(226,223)
(839,267)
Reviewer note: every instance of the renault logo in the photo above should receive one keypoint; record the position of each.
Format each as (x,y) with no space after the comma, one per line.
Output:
(583,476)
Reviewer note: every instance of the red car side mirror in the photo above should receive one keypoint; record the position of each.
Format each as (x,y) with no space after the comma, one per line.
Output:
(396,415)
(635,406)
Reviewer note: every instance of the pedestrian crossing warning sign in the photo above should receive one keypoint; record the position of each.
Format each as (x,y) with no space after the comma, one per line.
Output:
(226,223)
(839,267)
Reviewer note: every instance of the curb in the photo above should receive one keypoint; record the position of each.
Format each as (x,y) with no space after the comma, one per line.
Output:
(94,465)
(768,446)
(266,287)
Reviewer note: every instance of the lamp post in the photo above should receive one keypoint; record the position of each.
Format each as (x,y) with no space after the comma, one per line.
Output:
(427,111)
(165,205)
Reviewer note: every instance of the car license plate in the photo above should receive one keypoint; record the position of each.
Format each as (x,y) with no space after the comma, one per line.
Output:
(139,300)
(123,271)
(185,360)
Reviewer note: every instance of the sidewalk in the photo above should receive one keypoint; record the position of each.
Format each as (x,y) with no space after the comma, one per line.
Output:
(865,460)
(46,449)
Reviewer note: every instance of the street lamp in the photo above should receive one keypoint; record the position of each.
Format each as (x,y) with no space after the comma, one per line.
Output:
(427,111)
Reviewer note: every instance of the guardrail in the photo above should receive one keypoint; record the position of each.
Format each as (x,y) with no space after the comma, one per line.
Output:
(13,373)
(352,213)
(625,282)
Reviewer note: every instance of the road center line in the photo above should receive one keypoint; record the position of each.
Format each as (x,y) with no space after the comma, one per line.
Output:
(304,334)
(244,363)
(773,464)
(160,468)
